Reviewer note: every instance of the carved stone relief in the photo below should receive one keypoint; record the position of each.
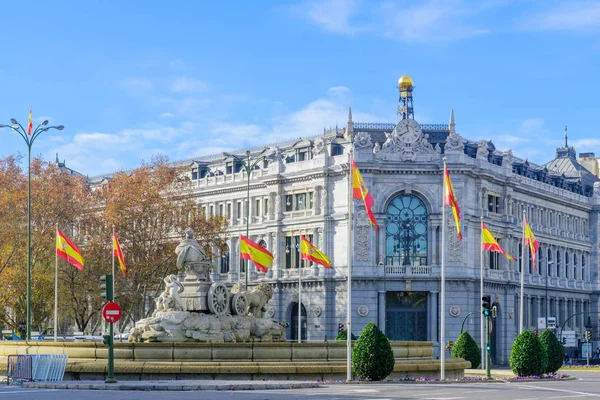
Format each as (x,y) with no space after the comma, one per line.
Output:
(362,140)
(318,147)
(454,144)
(407,143)
(362,242)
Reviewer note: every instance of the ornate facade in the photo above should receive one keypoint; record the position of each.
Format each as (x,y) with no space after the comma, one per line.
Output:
(301,187)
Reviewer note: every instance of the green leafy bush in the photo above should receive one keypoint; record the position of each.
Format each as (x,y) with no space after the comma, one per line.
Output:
(528,355)
(372,356)
(554,349)
(342,336)
(465,347)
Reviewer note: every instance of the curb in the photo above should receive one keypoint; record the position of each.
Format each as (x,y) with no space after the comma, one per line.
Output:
(171,385)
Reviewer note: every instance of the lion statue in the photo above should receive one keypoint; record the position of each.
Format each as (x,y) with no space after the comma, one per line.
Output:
(258,297)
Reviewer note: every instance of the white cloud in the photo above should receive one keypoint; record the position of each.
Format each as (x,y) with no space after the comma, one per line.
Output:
(339,91)
(573,16)
(188,85)
(178,65)
(532,126)
(511,139)
(332,15)
(166,115)
(430,21)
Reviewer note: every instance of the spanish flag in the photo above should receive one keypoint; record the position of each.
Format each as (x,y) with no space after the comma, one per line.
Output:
(250,250)
(489,243)
(311,253)
(531,241)
(360,191)
(117,252)
(30,123)
(67,250)
(450,200)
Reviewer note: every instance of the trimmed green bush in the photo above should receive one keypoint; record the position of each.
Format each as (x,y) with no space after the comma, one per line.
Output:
(342,336)
(465,347)
(528,355)
(554,349)
(372,356)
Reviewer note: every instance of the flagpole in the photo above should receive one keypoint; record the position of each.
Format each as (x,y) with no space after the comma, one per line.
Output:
(443,281)
(349,255)
(521,308)
(300,301)
(482,327)
(56,292)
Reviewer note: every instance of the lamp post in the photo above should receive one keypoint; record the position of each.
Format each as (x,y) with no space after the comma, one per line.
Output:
(248,166)
(29,138)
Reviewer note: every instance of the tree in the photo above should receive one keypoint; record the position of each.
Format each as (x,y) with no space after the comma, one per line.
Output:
(57,197)
(528,355)
(372,356)
(554,349)
(465,347)
(149,215)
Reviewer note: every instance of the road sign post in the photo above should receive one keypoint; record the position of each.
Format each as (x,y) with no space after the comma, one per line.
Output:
(111,312)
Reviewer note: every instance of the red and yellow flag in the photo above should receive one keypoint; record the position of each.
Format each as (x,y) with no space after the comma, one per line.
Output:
(311,253)
(250,250)
(450,200)
(532,242)
(360,191)
(117,252)
(67,250)
(30,123)
(489,243)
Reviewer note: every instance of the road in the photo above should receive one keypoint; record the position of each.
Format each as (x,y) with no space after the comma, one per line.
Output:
(587,385)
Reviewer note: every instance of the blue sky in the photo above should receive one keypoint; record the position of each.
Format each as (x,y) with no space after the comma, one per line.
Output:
(186,78)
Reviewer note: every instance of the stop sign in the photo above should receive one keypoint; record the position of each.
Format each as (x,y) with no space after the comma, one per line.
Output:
(111,312)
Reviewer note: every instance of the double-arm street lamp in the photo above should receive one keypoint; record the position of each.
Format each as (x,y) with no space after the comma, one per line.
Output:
(248,165)
(29,138)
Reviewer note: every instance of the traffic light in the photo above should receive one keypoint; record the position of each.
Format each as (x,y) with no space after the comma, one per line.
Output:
(106,339)
(450,344)
(340,328)
(494,312)
(588,335)
(564,340)
(487,305)
(535,331)
(107,287)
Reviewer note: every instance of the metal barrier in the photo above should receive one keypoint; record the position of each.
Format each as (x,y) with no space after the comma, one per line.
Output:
(37,367)
(19,368)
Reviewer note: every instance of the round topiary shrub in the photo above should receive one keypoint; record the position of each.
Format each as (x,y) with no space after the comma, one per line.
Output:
(372,356)
(342,336)
(465,347)
(528,355)
(554,349)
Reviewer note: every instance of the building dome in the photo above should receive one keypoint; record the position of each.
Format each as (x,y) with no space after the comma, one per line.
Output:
(405,82)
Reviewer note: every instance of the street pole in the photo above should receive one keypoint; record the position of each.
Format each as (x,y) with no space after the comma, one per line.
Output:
(29,138)
(488,373)
(248,167)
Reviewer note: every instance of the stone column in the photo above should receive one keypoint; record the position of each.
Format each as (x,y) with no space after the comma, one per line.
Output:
(433,316)
(381,317)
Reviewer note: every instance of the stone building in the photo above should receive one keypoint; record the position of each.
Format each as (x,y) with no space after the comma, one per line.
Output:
(301,187)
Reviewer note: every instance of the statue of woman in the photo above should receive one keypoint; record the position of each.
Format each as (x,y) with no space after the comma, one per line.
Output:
(192,258)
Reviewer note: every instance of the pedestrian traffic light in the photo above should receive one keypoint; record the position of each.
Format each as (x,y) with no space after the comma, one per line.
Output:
(487,305)
(494,312)
(588,335)
(107,287)
(340,328)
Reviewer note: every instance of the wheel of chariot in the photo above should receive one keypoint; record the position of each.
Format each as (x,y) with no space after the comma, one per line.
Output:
(239,304)
(218,298)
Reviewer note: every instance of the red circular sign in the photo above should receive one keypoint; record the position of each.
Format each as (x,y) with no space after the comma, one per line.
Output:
(112,312)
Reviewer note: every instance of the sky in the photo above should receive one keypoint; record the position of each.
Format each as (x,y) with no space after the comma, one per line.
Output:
(133,79)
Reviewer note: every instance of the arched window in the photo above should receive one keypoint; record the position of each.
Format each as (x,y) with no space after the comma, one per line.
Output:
(225,261)
(406,231)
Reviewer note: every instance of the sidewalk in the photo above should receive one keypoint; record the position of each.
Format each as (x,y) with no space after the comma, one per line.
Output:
(183,385)
(496,373)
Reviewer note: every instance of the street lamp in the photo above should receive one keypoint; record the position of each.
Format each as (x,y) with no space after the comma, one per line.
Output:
(248,166)
(29,139)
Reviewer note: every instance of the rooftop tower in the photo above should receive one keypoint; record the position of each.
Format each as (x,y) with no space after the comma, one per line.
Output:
(405,87)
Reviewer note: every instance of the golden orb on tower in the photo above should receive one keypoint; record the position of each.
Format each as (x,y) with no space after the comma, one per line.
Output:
(405,82)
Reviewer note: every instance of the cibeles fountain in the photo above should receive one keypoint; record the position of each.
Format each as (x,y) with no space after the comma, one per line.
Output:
(193,308)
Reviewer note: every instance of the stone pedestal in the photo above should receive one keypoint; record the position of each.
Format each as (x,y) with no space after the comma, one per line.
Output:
(195,294)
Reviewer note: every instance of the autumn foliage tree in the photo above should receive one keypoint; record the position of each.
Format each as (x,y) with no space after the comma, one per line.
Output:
(148,212)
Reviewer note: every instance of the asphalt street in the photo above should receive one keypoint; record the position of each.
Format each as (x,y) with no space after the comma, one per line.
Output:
(586,385)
